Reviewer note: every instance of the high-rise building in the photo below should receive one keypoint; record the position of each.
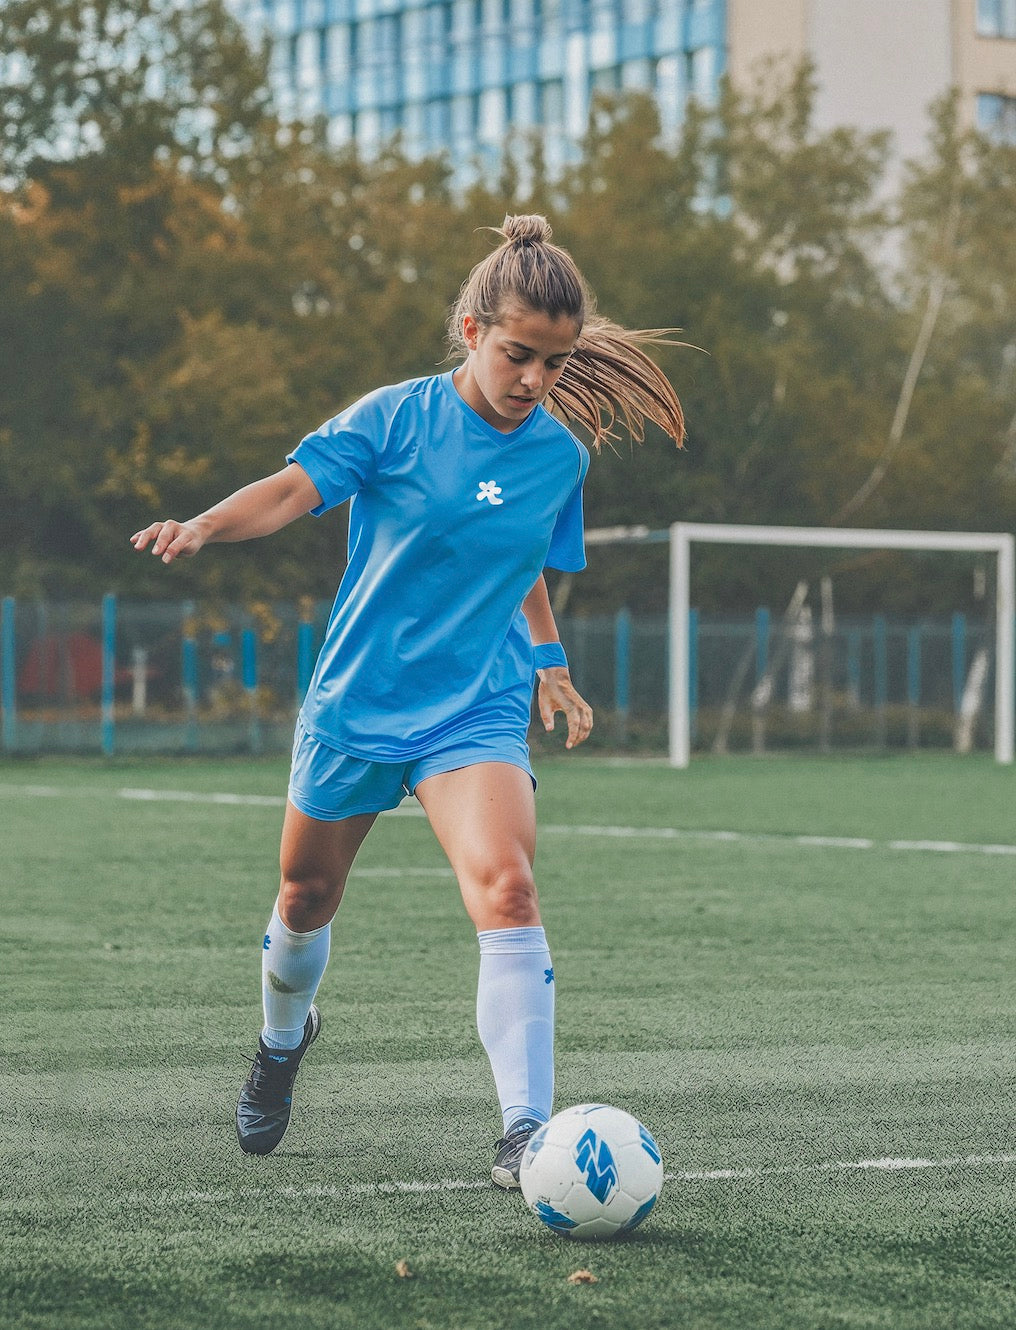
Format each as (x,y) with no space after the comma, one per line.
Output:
(460,75)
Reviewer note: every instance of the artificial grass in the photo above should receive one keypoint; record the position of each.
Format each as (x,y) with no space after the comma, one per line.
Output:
(772,1010)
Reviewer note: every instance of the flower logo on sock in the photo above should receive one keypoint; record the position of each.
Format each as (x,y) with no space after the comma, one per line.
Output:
(550,976)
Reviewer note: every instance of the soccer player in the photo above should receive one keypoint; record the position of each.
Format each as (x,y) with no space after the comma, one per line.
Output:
(463,488)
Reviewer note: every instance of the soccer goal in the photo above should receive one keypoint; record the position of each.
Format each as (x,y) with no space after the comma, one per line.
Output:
(683,535)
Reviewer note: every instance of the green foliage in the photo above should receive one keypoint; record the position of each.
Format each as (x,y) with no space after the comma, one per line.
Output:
(189,287)
(956,209)
(127,78)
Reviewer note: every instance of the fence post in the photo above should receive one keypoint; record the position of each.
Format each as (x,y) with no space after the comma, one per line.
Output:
(108,672)
(249,675)
(139,680)
(913,685)
(8,674)
(959,659)
(304,649)
(880,648)
(854,667)
(761,643)
(578,651)
(189,674)
(827,628)
(622,672)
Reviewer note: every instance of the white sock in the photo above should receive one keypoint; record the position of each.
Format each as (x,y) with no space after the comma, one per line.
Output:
(515,1020)
(291,968)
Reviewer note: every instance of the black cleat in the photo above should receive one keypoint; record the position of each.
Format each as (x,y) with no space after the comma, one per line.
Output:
(266,1099)
(510,1150)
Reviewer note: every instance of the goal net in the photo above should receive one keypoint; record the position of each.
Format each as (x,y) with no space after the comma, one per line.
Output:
(801,673)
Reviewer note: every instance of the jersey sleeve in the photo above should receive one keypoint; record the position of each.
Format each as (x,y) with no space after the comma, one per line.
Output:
(341,456)
(567,544)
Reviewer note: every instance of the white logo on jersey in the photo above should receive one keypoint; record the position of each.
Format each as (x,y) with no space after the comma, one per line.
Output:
(490,489)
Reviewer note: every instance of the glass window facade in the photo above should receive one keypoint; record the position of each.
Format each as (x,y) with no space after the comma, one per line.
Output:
(996,116)
(996,18)
(460,75)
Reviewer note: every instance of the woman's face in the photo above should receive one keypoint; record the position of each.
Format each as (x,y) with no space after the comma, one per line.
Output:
(513,364)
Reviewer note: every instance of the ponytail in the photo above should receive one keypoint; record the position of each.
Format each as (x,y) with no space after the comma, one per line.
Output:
(608,380)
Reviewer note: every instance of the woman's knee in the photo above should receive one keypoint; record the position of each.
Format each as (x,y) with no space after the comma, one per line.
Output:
(308,901)
(502,896)
(315,858)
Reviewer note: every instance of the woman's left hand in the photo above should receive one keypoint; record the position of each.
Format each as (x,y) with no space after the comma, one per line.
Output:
(557,693)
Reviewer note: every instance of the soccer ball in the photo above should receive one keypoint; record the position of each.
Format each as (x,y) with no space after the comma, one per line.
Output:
(591,1172)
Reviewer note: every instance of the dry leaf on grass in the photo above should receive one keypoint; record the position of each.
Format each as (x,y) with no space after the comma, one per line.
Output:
(582,1277)
(402,1270)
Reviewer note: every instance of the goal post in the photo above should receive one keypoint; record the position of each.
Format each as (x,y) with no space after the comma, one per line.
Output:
(684,534)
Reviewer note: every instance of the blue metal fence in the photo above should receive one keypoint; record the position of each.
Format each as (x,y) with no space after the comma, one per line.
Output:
(121,676)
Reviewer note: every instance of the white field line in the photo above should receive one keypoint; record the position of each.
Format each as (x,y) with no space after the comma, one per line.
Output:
(782,838)
(169,796)
(606,832)
(337,1191)
(888,1165)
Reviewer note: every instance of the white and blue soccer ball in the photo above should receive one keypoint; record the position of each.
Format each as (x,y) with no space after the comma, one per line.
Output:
(591,1172)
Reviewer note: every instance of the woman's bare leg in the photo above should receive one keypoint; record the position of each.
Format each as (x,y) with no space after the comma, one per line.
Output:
(315,859)
(484,817)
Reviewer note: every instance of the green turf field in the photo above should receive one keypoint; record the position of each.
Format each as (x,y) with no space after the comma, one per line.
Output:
(814,1017)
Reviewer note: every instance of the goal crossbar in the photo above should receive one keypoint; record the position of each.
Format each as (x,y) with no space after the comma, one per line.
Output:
(684,534)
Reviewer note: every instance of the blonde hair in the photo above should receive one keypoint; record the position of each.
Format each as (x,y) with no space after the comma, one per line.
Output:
(608,380)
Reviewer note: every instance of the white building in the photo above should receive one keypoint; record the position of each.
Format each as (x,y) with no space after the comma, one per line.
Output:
(880,63)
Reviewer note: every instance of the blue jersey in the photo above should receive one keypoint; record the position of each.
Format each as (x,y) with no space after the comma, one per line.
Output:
(451,524)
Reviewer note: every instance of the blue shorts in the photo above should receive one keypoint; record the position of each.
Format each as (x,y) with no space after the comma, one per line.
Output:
(328,785)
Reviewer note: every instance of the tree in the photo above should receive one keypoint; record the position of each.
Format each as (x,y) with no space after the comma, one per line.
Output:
(953,429)
(189,287)
(133,79)
(117,123)
(182,314)
(779,295)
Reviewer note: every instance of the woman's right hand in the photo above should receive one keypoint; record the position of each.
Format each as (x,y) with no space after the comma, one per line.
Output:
(259,509)
(171,540)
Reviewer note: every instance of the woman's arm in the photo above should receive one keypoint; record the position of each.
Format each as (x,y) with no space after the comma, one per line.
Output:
(258,509)
(556,691)
(539,615)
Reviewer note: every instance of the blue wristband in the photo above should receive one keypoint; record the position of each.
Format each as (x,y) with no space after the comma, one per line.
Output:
(549,654)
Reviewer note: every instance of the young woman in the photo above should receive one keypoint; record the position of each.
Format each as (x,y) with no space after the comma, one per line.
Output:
(463,487)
